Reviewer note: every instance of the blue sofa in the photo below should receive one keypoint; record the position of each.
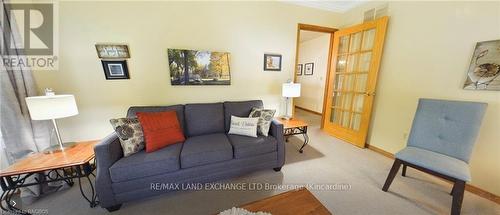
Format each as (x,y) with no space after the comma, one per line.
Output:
(207,155)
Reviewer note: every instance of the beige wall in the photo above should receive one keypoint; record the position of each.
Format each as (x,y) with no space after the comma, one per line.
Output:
(245,29)
(313,86)
(427,52)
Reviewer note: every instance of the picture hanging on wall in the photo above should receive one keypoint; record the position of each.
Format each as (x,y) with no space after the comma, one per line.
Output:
(309,69)
(112,51)
(272,62)
(115,69)
(484,68)
(192,67)
(299,69)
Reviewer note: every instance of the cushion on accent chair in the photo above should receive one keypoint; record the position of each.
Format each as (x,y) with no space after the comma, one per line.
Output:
(206,149)
(265,119)
(129,131)
(160,129)
(436,162)
(244,126)
(251,146)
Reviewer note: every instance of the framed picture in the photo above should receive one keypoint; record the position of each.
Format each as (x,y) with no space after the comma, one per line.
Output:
(112,51)
(484,68)
(309,69)
(272,62)
(299,69)
(193,67)
(115,69)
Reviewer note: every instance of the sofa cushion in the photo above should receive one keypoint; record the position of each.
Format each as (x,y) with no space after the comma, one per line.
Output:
(142,164)
(129,131)
(206,149)
(179,109)
(244,126)
(437,162)
(204,119)
(250,146)
(160,129)
(265,118)
(239,109)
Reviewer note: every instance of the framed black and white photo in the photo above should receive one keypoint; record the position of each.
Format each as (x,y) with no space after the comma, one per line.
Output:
(115,69)
(299,69)
(309,69)
(272,62)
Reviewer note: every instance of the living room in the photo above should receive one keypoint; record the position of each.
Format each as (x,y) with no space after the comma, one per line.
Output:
(109,56)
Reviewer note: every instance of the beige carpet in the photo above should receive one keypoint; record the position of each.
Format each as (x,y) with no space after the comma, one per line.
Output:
(325,161)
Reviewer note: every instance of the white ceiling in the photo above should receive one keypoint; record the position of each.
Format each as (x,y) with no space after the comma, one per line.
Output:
(329,5)
(309,35)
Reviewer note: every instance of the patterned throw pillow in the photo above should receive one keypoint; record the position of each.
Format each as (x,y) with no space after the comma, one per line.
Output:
(243,126)
(265,119)
(129,132)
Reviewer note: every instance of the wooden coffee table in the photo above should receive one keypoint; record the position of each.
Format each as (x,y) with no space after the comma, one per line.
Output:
(74,162)
(298,202)
(295,127)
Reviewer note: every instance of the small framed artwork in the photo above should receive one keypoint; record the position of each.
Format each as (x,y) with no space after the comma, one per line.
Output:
(115,69)
(112,51)
(299,69)
(309,69)
(272,62)
(484,68)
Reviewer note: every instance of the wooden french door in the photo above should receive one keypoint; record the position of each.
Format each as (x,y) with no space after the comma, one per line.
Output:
(357,51)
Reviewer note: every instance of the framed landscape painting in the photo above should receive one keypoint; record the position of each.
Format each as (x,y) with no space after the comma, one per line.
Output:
(484,68)
(192,67)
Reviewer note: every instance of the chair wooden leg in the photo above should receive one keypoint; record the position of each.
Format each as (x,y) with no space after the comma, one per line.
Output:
(404,171)
(458,197)
(453,189)
(394,170)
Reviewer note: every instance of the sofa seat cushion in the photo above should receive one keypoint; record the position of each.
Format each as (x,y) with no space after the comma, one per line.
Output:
(250,146)
(142,164)
(437,162)
(206,149)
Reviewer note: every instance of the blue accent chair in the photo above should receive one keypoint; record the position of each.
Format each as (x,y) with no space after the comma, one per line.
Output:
(440,143)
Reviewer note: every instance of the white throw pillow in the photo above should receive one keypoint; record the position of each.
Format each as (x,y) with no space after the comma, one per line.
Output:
(244,126)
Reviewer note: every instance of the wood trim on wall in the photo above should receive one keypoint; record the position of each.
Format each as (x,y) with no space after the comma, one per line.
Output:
(471,188)
(307,110)
(307,27)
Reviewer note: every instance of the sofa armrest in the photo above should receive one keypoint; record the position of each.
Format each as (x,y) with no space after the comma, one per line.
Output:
(107,152)
(277,132)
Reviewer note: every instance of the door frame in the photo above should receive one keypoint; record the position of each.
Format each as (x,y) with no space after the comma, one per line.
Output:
(315,28)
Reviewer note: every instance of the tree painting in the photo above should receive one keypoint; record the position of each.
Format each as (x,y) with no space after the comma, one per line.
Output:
(191,67)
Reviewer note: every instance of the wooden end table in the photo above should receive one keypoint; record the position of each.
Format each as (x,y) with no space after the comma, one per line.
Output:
(300,201)
(295,127)
(74,162)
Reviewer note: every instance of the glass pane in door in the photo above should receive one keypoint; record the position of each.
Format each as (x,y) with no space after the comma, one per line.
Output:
(368,39)
(344,44)
(355,42)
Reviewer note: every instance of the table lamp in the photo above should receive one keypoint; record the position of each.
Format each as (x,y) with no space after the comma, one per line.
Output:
(289,90)
(52,107)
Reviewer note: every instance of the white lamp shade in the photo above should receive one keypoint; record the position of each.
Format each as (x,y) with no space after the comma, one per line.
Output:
(291,90)
(51,107)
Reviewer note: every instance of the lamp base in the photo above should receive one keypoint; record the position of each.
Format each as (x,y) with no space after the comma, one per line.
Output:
(57,148)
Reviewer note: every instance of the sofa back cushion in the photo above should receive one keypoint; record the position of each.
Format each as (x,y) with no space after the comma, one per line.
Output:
(204,119)
(239,109)
(132,111)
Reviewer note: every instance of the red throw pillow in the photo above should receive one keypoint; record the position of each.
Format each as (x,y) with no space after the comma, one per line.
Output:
(160,129)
